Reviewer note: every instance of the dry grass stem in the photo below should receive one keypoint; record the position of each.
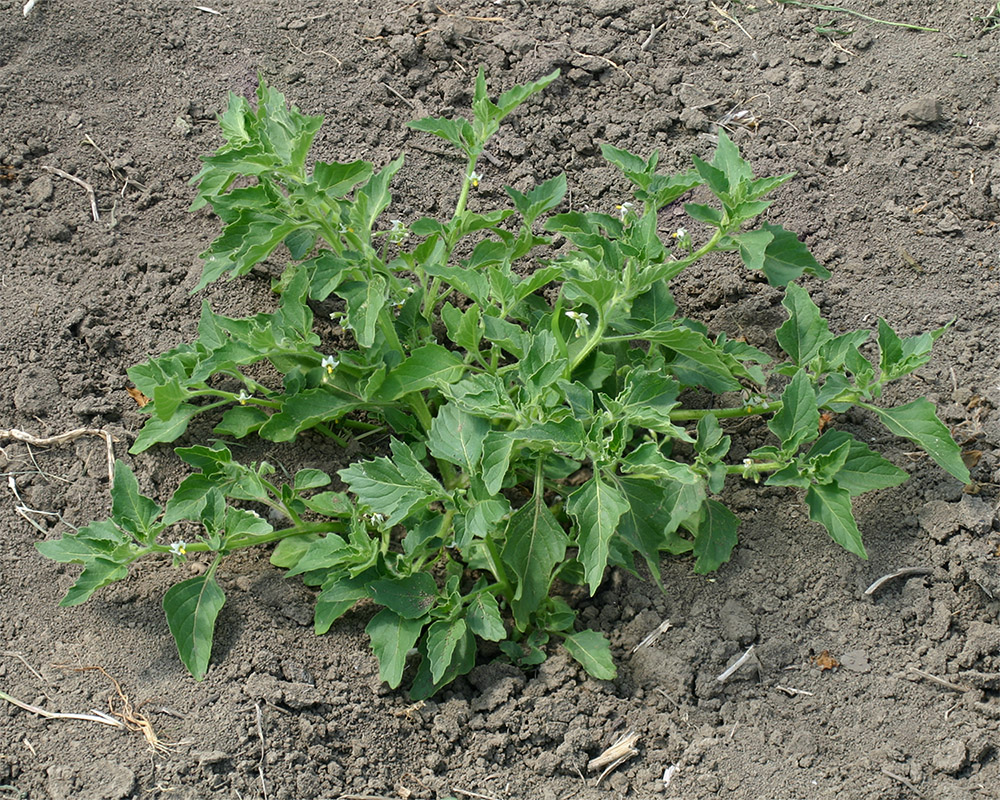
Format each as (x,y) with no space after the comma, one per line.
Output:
(478,796)
(955,687)
(743,659)
(263,749)
(909,785)
(79,182)
(96,716)
(726,15)
(652,637)
(618,753)
(655,29)
(16,435)
(793,692)
(899,573)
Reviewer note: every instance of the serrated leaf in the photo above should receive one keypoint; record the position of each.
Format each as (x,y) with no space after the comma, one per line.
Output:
(457,436)
(593,652)
(798,420)
(365,300)
(596,506)
(188,499)
(443,637)
(806,331)
(305,410)
(130,508)
(411,597)
(97,573)
(192,607)
(918,422)
(830,505)
(483,618)
(392,638)
(535,544)
(864,470)
(99,539)
(393,488)
(714,530)
(158,430)
(339,596)
(425,368)
(779,254)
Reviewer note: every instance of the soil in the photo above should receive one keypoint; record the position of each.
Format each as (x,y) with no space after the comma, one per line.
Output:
(893,135)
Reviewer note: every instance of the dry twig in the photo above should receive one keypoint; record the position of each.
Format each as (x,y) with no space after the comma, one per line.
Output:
(955,687)
(662,628)
(16,435)
(899,573)
(725,676)
(616,755)
(79,182)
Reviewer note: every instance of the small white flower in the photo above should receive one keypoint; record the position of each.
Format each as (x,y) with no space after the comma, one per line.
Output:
(178,548)
(580,318)
(474,178)
(624,210)
(377,518)
(330,363)
(244,397)
(680,233)
(398,231)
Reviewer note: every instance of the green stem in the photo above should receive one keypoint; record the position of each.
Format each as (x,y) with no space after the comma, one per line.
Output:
(725,413)
(756,467)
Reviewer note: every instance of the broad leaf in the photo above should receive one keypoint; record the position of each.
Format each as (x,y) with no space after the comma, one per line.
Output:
(393,488)
(392,638)
(830,505)
(411,597)
(806,331)
(593,652)
(535,544)
(192,607)
(917,422)
(457,436)
(798,420)
(443,637)
(596,506)
(98,573)
(714,531)
(864,470)
(483,617)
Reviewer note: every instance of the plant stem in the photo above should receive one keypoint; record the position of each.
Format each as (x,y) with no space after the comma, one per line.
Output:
(725,413)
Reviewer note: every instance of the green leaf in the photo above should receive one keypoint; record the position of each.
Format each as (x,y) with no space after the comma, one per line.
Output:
(337,179)
(593,651)
(323,553)
(457,131)
(188,499)
(158,430)
(497,448)
(900,357)
(411,597)
(798,420)
(339,596)
(830,505)
(97,573)
(779,254)
(132,510)
(596,506)
(457,436)
(443,637)
(239,421)
(192,607)
(714,530)
(917,422)
(535,544)
(806,331)
(426,367)
(542,198)
(99,539)
(310,479)
(728,159)
(483,617)
(392,638)
(305,410)
(393,488)
(365,300)
(864,470)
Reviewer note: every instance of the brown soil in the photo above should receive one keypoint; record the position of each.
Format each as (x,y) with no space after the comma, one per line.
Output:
(893,135)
